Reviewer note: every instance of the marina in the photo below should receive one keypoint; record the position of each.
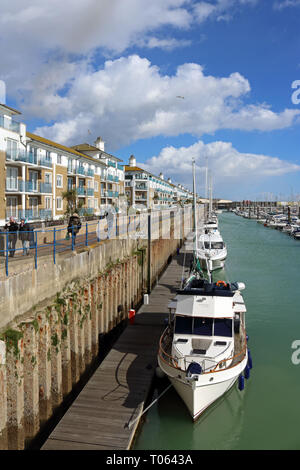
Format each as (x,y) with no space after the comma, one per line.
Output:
(265,415)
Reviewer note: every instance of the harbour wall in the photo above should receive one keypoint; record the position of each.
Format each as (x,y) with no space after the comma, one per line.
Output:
(51,319)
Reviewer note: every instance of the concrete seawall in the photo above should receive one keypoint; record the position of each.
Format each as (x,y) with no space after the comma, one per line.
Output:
(51,319)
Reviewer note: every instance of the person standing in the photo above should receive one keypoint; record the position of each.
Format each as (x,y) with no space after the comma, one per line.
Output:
(74,226)
(12,228)
(24,235)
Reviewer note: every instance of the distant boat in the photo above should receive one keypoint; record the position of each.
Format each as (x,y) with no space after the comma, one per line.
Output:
(211,251)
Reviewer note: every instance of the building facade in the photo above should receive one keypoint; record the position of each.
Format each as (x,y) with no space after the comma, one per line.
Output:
(147,191)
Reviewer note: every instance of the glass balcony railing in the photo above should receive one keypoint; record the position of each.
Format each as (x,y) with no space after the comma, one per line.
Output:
(45,188)
(36,214)
(80,171)
(110,177)
(90,172)
(111,164)
(90,192)
(80,191)
(10,124)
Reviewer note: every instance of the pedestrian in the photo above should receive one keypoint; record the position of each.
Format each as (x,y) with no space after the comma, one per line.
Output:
(12,229)
(74,226)
(24,235)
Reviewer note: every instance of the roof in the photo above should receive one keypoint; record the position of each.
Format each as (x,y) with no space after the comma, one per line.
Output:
(12,110)
(60,147)
(86,147)
(91,148)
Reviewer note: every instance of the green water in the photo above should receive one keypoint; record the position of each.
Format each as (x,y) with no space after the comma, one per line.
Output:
(266,415)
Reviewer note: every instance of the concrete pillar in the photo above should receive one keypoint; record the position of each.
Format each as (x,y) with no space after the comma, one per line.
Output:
(15,389)
(95,318)
(44,366)
(87,326)
(66,350)
(30,330)
(74,334)
(56,362)
(3,397)
(81,335)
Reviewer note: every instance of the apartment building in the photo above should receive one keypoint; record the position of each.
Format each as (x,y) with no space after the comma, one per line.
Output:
(36,172)
(112,173)
(145,190)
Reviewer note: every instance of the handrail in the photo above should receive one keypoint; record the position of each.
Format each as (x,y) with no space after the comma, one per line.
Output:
(171,358)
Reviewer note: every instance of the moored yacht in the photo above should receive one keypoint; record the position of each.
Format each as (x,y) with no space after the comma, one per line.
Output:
(203,350)
(211,250)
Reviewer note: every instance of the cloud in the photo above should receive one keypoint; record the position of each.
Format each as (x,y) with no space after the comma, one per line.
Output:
(231,169)
(129,99)
(279,5)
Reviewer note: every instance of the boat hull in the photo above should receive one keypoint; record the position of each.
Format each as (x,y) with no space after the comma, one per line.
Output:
(199,395)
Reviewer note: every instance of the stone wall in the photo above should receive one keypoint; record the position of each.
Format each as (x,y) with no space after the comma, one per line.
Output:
(51,319)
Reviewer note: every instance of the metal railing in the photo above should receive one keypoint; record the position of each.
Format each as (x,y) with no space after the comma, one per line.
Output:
(54,240)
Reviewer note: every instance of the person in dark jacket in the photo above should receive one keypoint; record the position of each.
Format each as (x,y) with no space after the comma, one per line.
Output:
(74,226)
(12,228)
(24,235)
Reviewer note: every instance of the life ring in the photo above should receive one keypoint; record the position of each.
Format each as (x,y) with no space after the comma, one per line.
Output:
(221,283)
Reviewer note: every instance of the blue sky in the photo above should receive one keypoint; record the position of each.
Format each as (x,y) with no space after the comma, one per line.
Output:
(116,69)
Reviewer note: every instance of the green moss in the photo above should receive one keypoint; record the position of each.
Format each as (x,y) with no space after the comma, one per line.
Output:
(54,339)
(12,338)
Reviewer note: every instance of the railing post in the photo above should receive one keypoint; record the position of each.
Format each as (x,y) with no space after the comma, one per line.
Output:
(6,254)
(86,235)
(72,238)
(54,245)
(35,255)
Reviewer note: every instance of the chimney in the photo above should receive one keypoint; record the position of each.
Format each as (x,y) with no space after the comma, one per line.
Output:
(169,180)
(161,176)
(99,143)
(132,161)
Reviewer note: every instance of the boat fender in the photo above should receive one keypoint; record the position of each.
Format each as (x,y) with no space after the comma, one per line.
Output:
(194,368)
(249,360)
(241,383)
(247,372)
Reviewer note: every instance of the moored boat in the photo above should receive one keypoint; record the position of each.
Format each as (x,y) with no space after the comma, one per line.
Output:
(203,350)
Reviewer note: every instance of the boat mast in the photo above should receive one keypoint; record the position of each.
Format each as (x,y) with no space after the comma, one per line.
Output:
(195,209)
(210,197)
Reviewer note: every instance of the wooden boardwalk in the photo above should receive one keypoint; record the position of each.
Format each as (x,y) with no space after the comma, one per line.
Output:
(116,392)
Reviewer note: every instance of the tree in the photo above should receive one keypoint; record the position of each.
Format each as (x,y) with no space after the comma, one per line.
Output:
(73,203)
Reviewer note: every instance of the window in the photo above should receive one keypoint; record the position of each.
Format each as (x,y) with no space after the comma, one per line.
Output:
(12,179)
(11,207)
(203,326)
(59,181)
(48,156)
(96,186)
(48,178)
(184,325)
(34,206)
(59,205)
(90,203)
(223,327)
(33,181)
(47,202)
(59,159)
(12,149)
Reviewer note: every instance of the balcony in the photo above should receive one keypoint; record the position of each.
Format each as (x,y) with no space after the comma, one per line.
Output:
(10,124)
(80,191)
(90,192)
(20,186)
(86,211)
(27,157)
(120,167)
(110,177)
(112,164)
(80,171)
(35,214)
(90,172)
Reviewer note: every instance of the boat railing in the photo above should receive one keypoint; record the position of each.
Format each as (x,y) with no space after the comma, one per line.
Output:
(208,365)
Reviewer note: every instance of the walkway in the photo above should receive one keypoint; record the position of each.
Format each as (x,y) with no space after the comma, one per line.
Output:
(117,391)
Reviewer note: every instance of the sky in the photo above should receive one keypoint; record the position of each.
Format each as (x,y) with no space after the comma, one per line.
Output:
(167,81)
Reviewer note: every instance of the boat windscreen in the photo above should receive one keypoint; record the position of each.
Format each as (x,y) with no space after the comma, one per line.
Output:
(203,326)
(184,325)
(214,245)
(223,327)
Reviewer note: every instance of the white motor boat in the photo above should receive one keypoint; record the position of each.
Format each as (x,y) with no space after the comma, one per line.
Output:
(211,250)
(203,351)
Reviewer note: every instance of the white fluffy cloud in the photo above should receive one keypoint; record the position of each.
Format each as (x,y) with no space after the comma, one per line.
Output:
(129,99)
(230,168)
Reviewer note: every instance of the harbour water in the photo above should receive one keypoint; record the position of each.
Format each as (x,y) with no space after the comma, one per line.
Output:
(266,414)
